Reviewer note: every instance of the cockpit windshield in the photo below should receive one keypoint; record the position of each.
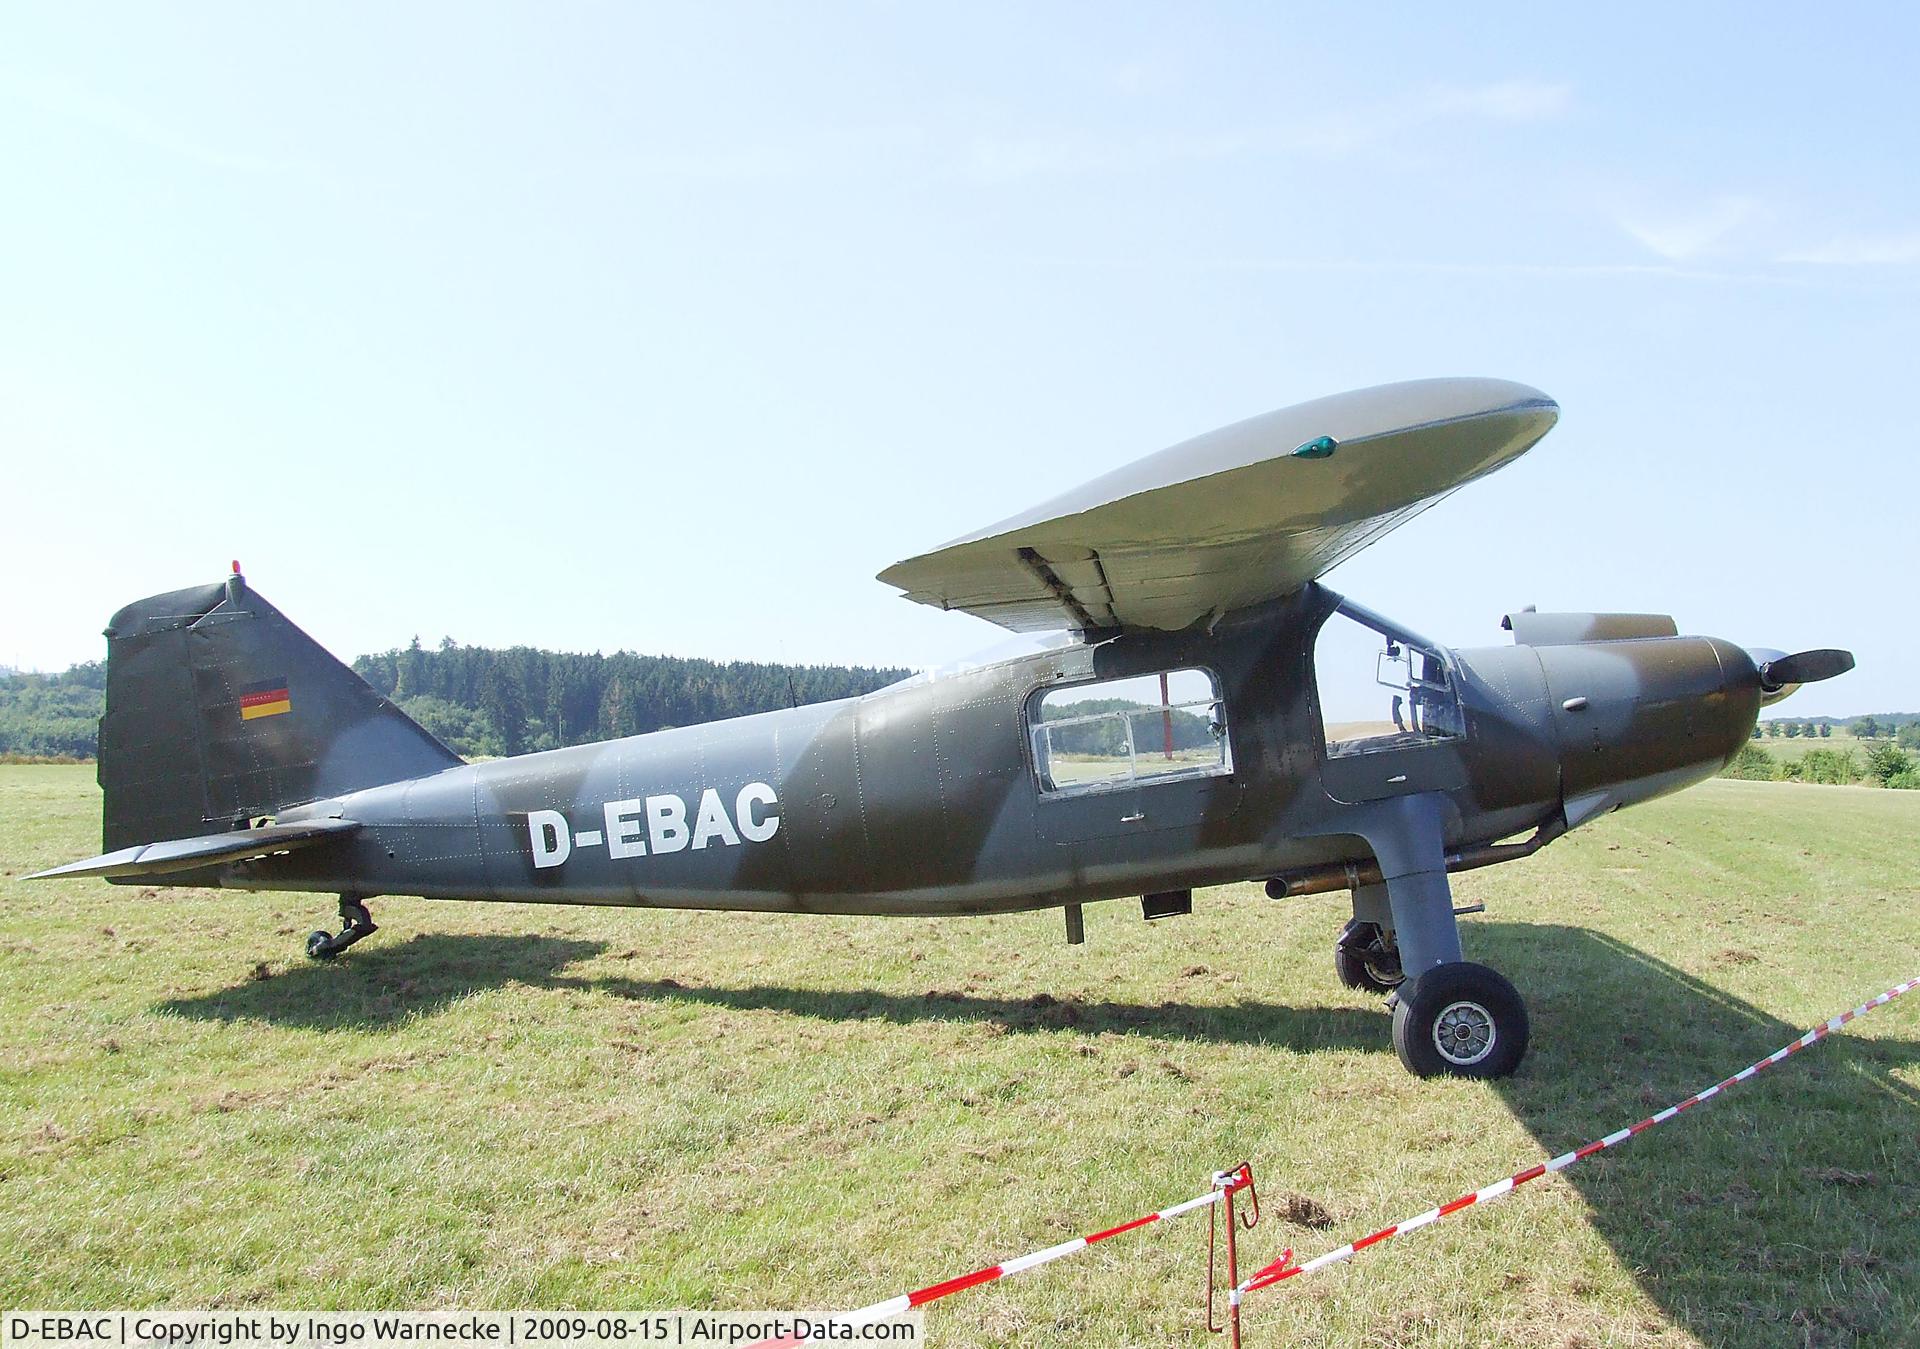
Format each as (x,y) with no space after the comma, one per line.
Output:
(1381,686)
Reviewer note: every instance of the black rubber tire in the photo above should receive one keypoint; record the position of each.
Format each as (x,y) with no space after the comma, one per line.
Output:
(320,945)
(1457,1005)
(1356,970)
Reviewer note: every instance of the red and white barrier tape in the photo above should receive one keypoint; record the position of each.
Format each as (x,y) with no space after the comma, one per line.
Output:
(1228,1181)
(1284,1268)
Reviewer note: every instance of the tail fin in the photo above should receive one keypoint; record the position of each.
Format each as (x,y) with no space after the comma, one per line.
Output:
(219,710)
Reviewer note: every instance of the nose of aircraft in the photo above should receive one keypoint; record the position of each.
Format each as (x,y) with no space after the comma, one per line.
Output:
(1640,718)
(1626,719)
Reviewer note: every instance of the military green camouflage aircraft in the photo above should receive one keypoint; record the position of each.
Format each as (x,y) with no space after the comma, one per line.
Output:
(1171,733)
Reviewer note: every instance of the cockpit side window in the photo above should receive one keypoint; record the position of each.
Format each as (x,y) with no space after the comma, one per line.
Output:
(1381,687)
(1125,732)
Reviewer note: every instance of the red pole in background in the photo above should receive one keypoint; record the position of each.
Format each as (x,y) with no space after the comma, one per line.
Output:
(1166,713)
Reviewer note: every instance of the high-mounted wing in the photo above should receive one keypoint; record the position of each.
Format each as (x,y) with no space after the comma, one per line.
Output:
(1243,514)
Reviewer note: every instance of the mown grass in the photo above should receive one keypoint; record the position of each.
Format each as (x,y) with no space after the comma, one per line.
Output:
(511,1106)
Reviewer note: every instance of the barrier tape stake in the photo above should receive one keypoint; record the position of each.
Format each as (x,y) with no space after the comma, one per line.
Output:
(1225,1185)
(1240,1177)
(1233,1277)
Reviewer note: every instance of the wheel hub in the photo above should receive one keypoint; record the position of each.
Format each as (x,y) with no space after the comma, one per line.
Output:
(1464,1033)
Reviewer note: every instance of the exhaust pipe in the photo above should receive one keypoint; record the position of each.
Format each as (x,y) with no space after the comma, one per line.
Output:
(1353,875)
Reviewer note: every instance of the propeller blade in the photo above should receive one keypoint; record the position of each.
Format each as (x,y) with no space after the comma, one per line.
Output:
(1804,667)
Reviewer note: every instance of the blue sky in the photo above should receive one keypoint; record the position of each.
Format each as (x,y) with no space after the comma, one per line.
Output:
(606,326)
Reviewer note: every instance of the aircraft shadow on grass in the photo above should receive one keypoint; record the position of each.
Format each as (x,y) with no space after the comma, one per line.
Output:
(1704,1216)
(1730,1220)
(379,988)
(376,989)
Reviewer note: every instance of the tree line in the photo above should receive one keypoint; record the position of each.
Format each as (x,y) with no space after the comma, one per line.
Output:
(53,716)
(482,700)
(1902,728)
(1883,765)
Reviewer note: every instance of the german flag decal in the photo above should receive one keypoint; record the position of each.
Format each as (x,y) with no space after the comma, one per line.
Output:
(268,698)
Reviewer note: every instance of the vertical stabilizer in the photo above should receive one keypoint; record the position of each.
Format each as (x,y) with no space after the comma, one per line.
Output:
(219,710)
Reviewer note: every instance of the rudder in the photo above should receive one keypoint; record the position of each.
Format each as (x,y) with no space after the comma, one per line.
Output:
(220,710)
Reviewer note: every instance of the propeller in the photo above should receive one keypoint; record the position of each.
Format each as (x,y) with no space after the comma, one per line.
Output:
(1781,674)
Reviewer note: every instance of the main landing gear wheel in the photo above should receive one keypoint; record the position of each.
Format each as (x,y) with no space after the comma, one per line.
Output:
(1460,1020)
(1362,959)
(355,923)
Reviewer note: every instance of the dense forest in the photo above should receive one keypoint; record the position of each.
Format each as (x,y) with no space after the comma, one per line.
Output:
(52,716)
(480,700)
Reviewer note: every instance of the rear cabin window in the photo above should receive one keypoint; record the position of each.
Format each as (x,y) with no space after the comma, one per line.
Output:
(1119,732)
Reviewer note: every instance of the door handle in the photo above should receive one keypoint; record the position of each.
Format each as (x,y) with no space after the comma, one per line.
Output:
(1134,818)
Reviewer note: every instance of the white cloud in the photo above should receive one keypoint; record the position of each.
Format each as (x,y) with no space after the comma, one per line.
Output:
(825,151)
(1350,129)
(1425,266)
(1864,250)
(1337,133)
(1137,79)
(104,114)
(1678,236)
(1508,101)
(1003,158)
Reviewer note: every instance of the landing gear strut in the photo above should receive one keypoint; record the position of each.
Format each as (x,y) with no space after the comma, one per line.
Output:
(355,923)
(1450,1016)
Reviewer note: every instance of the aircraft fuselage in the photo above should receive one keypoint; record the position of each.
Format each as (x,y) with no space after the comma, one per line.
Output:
(938,796)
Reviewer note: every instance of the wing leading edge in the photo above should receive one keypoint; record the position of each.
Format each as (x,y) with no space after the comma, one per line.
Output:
(1240,515)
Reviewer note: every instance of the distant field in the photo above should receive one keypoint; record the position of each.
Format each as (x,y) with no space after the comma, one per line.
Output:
(1784,749)
(1069,770)
(511,1106)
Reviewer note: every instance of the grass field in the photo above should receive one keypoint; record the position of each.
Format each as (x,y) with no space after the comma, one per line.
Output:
(509,1106)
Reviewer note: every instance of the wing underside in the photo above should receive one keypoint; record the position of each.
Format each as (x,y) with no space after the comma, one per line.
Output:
(1242,515)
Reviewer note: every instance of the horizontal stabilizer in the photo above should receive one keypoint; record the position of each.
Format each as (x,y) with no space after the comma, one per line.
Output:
(185,854)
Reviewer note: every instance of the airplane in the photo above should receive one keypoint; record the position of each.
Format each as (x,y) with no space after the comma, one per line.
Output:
(1166,732)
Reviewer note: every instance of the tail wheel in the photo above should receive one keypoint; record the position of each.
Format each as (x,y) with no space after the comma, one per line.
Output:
(1362,959)
(1460,1020)
(355,923)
